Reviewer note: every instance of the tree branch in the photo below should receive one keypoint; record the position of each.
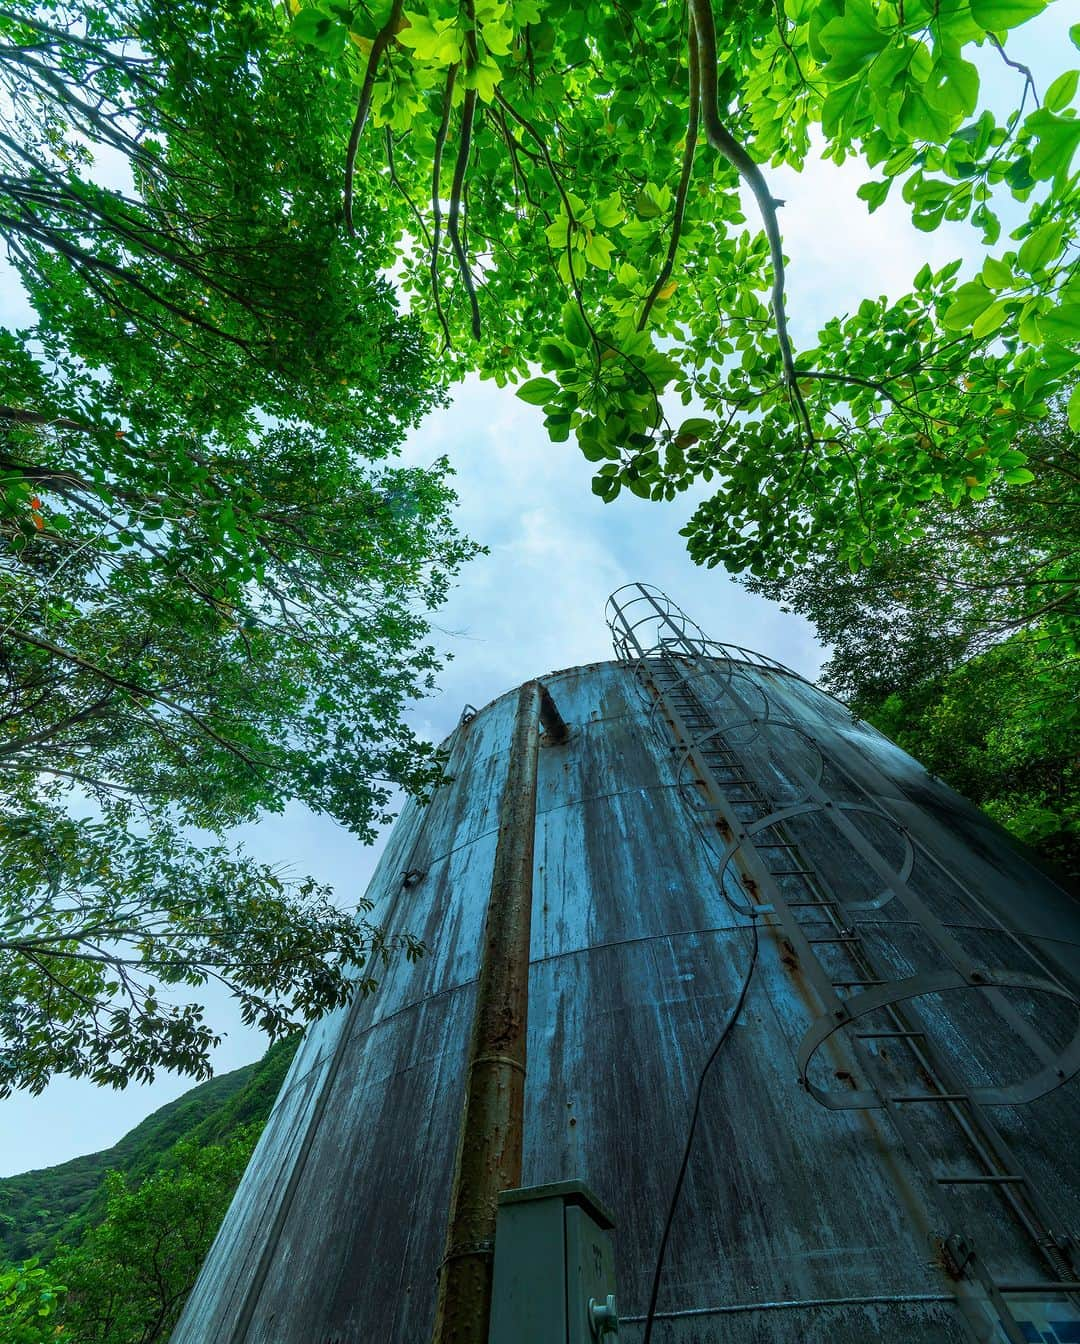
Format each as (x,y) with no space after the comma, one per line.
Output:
(684,183)
(436,201)
(363,106)
(468,113)
(721,139)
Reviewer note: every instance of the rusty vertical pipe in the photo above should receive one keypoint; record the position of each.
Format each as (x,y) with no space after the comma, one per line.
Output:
(489,1144)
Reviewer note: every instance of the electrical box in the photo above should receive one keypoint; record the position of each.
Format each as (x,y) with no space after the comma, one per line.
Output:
(554,1280)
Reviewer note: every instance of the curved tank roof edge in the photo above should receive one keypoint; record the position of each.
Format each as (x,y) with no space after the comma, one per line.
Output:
(616,662)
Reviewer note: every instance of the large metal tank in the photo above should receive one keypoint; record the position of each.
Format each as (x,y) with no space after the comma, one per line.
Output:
(741,898)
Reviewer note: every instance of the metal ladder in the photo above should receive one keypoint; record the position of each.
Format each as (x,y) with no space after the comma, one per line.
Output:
(784,881)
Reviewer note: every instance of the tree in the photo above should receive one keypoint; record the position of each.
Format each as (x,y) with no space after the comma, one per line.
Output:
(565,184)
(1002,565)
(217,624)
(28,1300)
(213,582)
(194,541)
(126,1281)
(99,927)
(209,277)
(128,1278)
(962,644)
(1002,728)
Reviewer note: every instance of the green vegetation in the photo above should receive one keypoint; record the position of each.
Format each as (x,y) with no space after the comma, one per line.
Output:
(962,645)
(213,578)
(127,1280)
(104,1249)
(42,1209)
(564,184)
(1002,729)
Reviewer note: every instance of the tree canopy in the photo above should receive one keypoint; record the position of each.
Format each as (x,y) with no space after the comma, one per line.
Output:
(962,645)
(213,577)
(566,182)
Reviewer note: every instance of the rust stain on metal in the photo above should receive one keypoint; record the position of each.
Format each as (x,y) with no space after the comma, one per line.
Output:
(490,1141)
(556,732)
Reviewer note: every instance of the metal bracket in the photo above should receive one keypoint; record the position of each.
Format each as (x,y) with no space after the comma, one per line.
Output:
(1046,1079)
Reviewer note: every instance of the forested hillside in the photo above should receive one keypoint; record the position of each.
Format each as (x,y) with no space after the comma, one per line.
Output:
(40,1209)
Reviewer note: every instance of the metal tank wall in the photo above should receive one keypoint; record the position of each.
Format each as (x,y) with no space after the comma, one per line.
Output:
(797,1222)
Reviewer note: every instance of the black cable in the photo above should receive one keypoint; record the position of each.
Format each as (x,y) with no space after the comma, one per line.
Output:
(676,1193)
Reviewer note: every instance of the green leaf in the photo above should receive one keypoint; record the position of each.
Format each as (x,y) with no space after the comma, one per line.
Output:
(1074,405)
(598,251)
(852,40)
(1061,324)
(538,391)
(645,207)
(439,42)
(996,16)
(697,426)
(957,91)
(1041,247)
(923,119)
(574,328)
(556,355)
(1057,138)
(317,30)
(874,193)
(836,107)
(610,211)
(1061,92)
(991,320)
(969,302)
(997,274)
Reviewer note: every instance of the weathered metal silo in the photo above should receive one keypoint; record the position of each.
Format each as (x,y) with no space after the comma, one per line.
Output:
(802,1018)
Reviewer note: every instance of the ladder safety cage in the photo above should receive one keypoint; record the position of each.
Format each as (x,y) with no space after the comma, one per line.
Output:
(685,677)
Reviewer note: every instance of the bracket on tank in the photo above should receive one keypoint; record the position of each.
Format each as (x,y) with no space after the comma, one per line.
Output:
(1036,1085)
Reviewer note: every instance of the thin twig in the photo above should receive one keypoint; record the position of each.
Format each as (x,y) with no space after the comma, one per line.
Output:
(1029,78)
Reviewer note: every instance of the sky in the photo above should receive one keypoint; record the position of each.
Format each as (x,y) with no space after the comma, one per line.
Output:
(536,602)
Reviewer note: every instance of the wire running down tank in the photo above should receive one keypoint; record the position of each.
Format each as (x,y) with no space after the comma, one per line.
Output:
(741,897)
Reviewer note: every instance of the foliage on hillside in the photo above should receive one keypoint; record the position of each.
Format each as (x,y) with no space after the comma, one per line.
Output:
(964,645)
(127,1280)
(40,1209)
(1003,732)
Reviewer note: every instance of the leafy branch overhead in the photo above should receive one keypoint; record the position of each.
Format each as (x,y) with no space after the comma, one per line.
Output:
(565,182)
(214,579)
